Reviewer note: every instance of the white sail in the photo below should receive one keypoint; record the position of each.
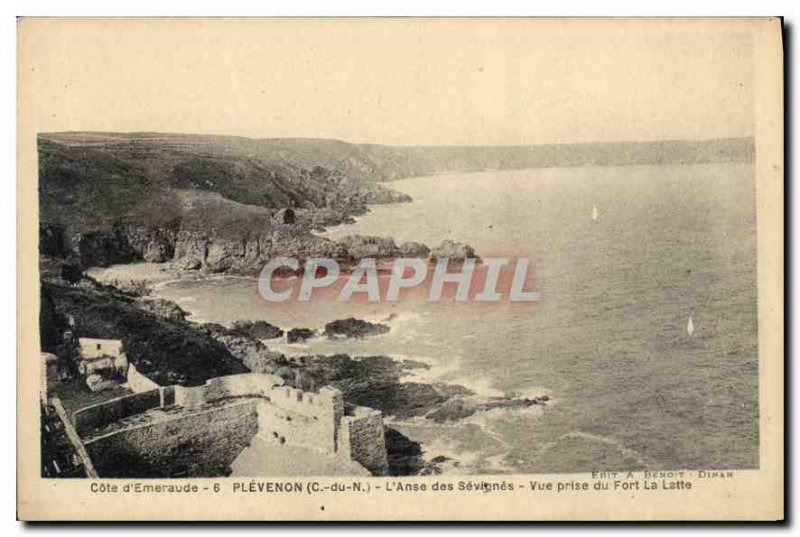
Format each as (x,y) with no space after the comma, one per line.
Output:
(690,326)
(595,214)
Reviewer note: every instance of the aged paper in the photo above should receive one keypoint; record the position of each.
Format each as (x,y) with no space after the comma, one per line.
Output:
(400,269)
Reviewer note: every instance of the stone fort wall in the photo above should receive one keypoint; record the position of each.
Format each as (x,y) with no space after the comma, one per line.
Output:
(197,443)
(283,414)
(296,417)
(362,439)
(98,416)
(137,382)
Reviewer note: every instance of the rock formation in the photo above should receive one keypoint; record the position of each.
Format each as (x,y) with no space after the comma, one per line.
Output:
(354,328)
(161,307)
(413,249)
(454,251)
(257,329)
(361,246)
(298,335)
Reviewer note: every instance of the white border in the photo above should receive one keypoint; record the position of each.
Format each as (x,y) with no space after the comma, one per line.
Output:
(119,8)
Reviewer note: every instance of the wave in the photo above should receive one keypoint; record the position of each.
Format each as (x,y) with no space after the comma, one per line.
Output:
(473,445)
(623,456)
(288,349)
(449,372)
(201,279)
(465,461)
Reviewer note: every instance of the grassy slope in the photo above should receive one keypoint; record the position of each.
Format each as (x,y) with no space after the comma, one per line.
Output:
(89,181)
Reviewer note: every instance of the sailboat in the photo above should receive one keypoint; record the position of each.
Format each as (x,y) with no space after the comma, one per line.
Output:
(595,214)
(690,326)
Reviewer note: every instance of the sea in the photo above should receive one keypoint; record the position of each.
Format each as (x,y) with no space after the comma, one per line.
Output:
(623,258)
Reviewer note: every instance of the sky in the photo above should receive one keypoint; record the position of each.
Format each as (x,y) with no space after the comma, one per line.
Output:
(399,82)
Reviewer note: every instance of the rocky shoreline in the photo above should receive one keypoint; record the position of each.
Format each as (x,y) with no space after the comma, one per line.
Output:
(164,345)
(184,251)
(377,382)
(215,208)
(198,212)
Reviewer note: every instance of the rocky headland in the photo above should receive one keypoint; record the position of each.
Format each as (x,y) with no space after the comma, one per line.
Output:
(210,204)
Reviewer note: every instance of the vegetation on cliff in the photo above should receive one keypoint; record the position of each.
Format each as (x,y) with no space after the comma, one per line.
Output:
(200,201)
(89,179)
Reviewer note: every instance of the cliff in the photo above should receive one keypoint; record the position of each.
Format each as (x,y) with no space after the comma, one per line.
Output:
(85,177)
(199,201)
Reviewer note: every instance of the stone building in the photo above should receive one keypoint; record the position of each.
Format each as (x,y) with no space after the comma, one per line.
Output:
(247,424)
(102,363)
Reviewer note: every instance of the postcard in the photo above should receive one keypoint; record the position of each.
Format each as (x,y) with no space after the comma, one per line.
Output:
(400,269)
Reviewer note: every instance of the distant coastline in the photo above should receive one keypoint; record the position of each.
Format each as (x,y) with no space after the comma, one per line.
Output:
(380,163)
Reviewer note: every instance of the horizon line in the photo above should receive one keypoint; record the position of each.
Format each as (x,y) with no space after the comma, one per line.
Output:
(336,140)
